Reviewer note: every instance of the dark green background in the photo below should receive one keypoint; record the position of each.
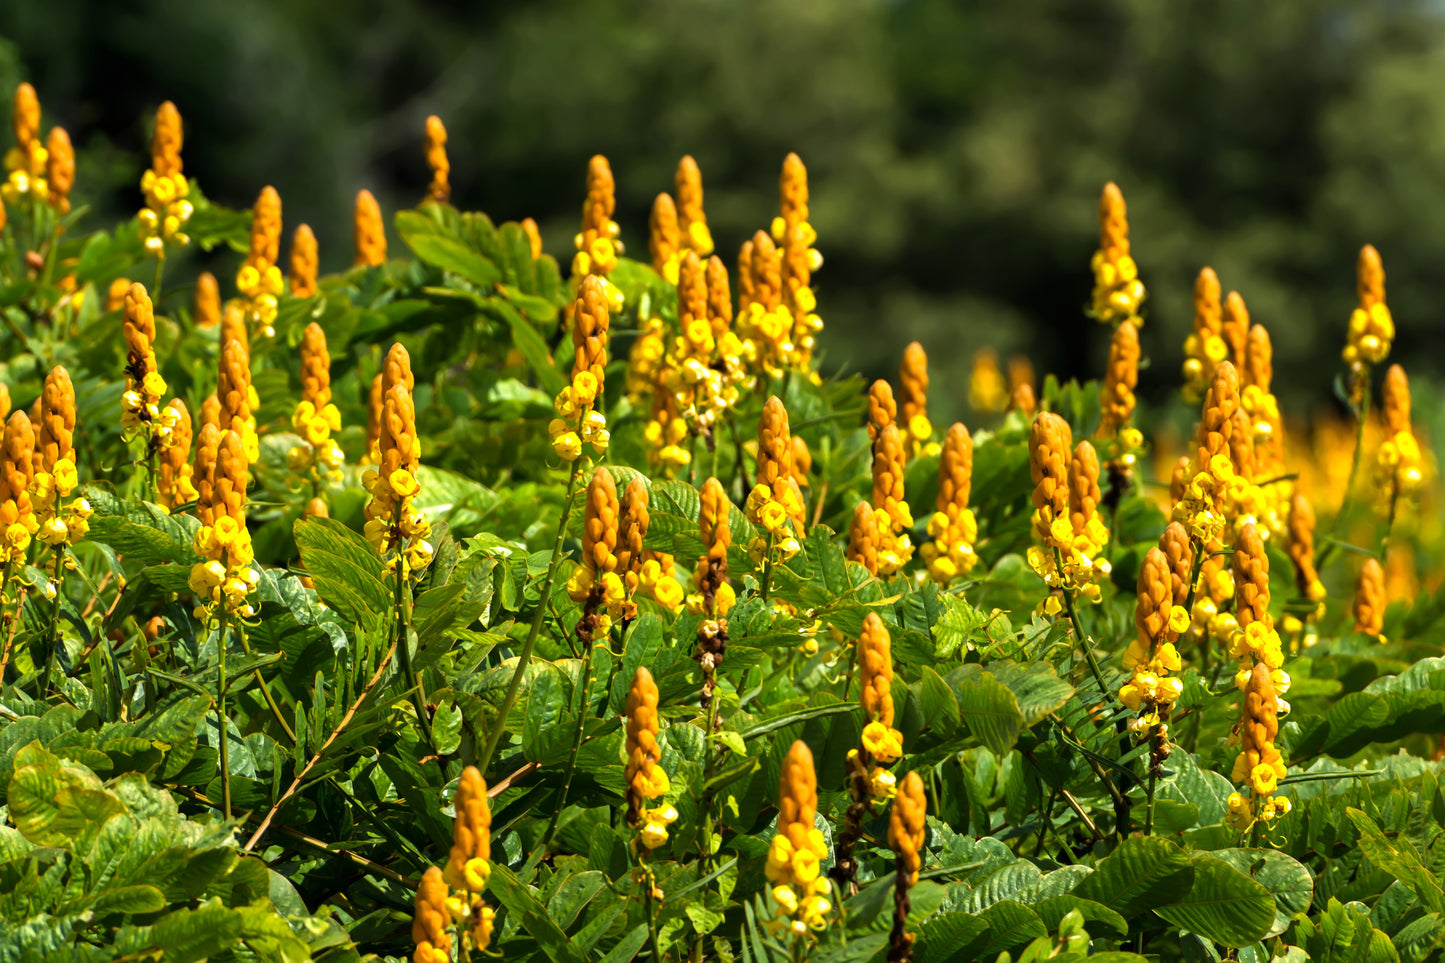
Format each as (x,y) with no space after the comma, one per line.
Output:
(956,150)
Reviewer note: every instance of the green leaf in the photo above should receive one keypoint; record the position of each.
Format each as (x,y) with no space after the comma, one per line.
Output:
(1010,924)
(1400,859)
(434,244)
(1143,873)
(1287,880)
(1097,916)
(346,571)
(1222,905)
(988,707)
(793,718)
(951,938)
(533,916)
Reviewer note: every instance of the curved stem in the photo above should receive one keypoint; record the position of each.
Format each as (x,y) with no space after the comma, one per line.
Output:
(1361,416)
(510,699)
(266,691)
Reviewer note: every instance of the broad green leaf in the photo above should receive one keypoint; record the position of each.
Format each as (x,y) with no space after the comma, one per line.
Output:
(346,570)
(1400,859)
(1287,880)
(519,901)
(987,707)
(1010,924)
(1222,905)
(1143,873)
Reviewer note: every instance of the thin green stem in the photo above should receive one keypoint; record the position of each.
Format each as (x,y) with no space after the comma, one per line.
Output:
(767,572)
(510,698)
(1149,801)
(266,691)
(651,917)
(1084,640)
(53,634)
(582,715)
(403,647)
(221,715)
(1362,414)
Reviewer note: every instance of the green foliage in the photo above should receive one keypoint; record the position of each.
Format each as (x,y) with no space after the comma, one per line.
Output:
(140,819)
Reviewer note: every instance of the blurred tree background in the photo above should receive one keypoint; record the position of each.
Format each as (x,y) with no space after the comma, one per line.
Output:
(956,150)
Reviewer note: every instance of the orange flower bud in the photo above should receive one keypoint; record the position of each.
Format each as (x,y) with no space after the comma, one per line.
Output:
(369,231)
(440,189)
(303,262)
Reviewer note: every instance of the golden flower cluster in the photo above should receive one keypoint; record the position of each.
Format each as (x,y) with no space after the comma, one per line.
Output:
(55,476)
(1300,545)
(302,275)
(236,394)
(863,537)
(1371,598)
(664,238)
(906,824)
(59,169)
(1234,327)
(578,421)
(393,522)
(953,528)
(1118,292)
(691,220)
(469,862)
(167,205)
(643,570)
(368,231)
(440,188)
(890,505)
(1399,468)
(1260,765)
(882,744)
(224,576)
(1262,680)
(1070,531)
(644,776)
(208,301)
(776,502)
(18,523)
(1159,617)
(259,279)
(795,857)
(598,247)
(1116,396)
(598,570)
(26,161)
(711,594)
(318,458)
(913,392)
(1205,347)
(1371,330)
(175,485)
(987,390)
(697,378)
(141,412)
(1261,407)
(432,920)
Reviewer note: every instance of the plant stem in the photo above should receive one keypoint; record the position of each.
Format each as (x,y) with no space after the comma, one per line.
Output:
(1084,641)
(340,727)
(582,714)
(1361,415)
(767,573)
(54,631)
(266,691)
(1149,801)
(651,917)
(510,698)
(403,645)
(221,715)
